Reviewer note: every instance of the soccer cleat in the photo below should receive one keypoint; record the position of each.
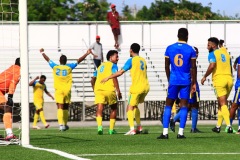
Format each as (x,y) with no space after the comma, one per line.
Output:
(230,130)
(112,131)
(195,130)
(217,130)
(131,132)
(100,130)
(233,131)
(172,125)
(163,136)
(66,127)
(139,130)
(62,128)
(11,137)
(238,132)
(47,125)
(36,127)
(180,136)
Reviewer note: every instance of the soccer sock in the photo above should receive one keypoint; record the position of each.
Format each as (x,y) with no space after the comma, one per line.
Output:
(225,114)
(112,124)
(35,119)
(65,116)
(7,120)
(194,117)
(130,119)
(41,114)
(137,115)
(238,117)
(99,121)
(220,119)
(183,116)
(231,121)
(177,116)
(60,116)
(166,116)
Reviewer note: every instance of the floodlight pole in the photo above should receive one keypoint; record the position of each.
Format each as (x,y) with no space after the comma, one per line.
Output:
(23,27)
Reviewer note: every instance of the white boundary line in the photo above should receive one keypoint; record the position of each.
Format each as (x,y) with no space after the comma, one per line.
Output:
(134,154)
(60,153)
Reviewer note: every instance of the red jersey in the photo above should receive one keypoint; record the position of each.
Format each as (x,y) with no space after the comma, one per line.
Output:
(113,19)
(9,79)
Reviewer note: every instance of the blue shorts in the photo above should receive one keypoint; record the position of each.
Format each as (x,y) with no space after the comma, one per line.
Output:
(181,91)
(236,98)
(194,98)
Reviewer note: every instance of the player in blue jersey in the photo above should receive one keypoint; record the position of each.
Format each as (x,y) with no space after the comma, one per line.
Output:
(193,105)
(181,78)
(236,98)
(62,75)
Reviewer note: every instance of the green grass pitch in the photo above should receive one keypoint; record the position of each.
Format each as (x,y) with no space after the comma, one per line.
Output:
(85,143)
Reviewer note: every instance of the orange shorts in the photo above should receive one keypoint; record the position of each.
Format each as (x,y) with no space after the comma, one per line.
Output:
(2,98)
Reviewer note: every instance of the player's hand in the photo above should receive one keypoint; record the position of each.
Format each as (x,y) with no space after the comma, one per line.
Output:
(9,102)
(37,77)
(119,95)
(203,80)
(52,98)
(104,80)
(41,50)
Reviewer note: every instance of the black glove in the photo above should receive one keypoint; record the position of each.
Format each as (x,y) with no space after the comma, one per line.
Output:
(10,101)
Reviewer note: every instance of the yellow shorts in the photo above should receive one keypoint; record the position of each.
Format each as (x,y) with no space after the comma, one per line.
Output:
(223,85)
(105,97)
(38,105)
(62,96)
(2,98)
(135,98)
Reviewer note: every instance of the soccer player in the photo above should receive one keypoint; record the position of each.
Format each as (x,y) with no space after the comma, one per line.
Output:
(220,67)
(221,46)
(235,64)
(105,92)
(62,75)
(138,89)
(113,20)
(236,98)
(39,88)
(98,52)
(8,83)
(193,105)
(182,59)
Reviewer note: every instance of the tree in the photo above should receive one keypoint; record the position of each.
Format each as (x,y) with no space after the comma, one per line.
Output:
(9,10)
(127,14)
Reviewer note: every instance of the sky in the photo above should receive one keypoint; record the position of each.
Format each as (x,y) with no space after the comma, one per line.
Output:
(225,7)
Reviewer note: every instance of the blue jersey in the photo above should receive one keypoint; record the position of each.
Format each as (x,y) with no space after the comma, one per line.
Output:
(237,84)
(180,55)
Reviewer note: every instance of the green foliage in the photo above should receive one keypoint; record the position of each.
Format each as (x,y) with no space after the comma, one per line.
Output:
(9,10)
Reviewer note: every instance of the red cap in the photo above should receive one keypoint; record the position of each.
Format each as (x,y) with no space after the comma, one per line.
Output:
(113,5)
(97,37)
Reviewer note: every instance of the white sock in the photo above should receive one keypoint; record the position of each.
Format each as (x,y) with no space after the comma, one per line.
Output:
(131,128)
(180,131)
(165,131)
(9,131)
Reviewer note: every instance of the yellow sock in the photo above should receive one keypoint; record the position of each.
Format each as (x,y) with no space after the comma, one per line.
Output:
(226,114)
(130,119)
(65,116)
(112,124)
(41,114)
(99,121)
(137,116)
(7,120)
(60,116)
(220,118)
(35,119)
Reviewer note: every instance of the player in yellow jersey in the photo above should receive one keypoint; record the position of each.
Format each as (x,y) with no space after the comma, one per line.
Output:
(105,94)
(39,88)
(62,75)
(138,89)
(220,67)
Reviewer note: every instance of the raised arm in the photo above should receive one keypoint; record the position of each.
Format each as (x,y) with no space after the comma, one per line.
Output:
(84,56)
(31,83)
(44,55)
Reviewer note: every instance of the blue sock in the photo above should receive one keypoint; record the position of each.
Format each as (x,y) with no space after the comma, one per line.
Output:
(194,118)
(238,117)
(177,116)
(231,121)
(183,116)
(166,116)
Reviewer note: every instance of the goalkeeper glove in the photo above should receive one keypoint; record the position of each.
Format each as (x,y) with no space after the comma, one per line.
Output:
(10,101)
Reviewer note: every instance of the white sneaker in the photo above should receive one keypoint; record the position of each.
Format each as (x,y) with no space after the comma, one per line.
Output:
(131,132)
(36,127)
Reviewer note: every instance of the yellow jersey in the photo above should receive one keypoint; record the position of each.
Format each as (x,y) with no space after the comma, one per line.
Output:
(38,91)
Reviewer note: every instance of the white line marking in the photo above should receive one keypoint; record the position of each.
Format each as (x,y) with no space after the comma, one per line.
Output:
(60,153)
(134,154)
